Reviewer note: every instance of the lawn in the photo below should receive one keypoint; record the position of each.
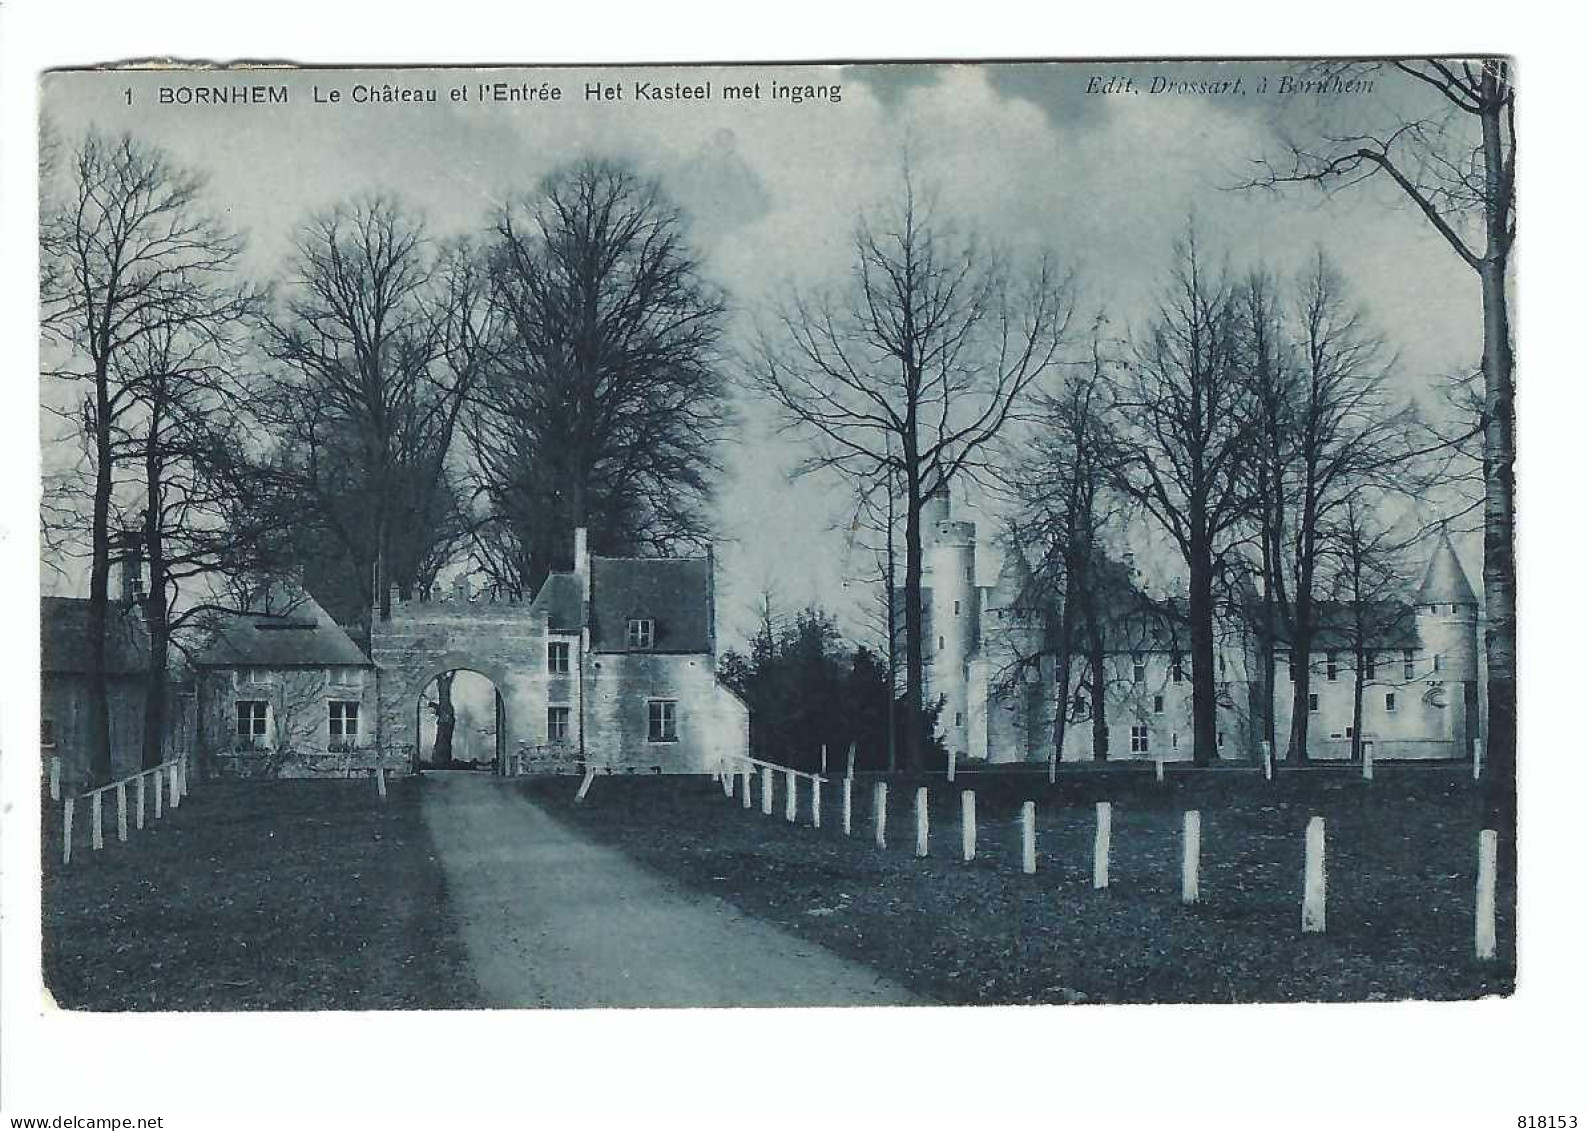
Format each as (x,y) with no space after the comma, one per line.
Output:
(255,895)
(1401,857)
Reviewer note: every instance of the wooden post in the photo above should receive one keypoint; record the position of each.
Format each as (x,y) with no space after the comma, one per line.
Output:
(1313,895)
(55,778)
(922,833)
(1028,838)
(1367,761)
(824,759)
(1268,760)
(584,786)
(68,813)
(816,803)
(791,802)
(766,791)
(848,805)
(121,811)
(727,777)
(1157,770)
(1053,769)
(97,820)
(142,779)
(380,781)
(1100,844)
(1488,865)
(158,788)
(851,771)
(950,767)
(879,812)
(1477,758)
(1191,857)
(176,788)
(745,774)
(967,825)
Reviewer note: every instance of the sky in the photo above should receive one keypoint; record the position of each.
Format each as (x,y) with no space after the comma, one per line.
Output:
(1021,154)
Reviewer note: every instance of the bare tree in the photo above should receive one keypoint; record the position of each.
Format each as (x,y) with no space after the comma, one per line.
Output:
(128,253)
(1186,427)
(1457,166)
(376,345)
(913,371)
(606,402)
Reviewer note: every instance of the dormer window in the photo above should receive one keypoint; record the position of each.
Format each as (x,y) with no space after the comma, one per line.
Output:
(642,633)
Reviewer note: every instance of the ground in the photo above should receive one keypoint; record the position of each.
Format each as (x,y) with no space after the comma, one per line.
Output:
(1402,860)
(464,890)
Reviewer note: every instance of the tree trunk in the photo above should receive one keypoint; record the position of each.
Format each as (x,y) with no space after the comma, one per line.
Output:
(1358,682)
(910,732)
(1499,551)
(1097,663)
(1300,696)
(99,763)
(156,689)
(1204,691)
(446,720)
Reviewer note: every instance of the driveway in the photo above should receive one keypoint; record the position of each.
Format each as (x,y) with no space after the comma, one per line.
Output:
(551,919)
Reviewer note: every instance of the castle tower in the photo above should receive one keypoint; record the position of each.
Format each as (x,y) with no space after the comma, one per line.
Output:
(1447,626)
(953,632)
(1017,710)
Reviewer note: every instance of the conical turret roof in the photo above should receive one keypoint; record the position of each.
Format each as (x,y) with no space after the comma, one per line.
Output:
(1444,581)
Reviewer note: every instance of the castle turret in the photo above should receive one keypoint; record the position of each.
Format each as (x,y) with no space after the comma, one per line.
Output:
(1447,626)
(952,639)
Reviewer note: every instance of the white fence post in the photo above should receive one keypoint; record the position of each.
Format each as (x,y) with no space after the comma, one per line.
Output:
(97,824)
(851,771)
(1314,897)
(791,802)
(1268,760)
(1157,770)
(158,790)
(745,775)
(142,780)
(67,816)
(950,767)
(121,811)
(1191,858)
(967,824)
(922,833)
(824,759)
(1100,844)
(879,812)
(1028,838)
(1053,769)
(1477,758)
(1367,761)
(766,791)
(1488,866)
(816,802)
(176,788)
(848,805)
(380,781)
(55,778)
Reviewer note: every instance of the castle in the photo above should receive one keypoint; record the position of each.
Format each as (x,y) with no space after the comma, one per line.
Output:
(990,658)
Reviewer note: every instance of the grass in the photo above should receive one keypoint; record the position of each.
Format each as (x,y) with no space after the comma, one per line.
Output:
(254,895)
(1402,864)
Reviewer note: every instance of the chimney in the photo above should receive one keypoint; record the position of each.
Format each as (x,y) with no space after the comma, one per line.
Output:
(581,561)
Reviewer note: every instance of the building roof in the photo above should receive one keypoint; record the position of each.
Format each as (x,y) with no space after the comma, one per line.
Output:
(560,599)
(304,637)
(1444,581)
(675,593)
(63,630)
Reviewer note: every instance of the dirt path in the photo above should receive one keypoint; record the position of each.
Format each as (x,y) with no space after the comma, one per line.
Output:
(552,919)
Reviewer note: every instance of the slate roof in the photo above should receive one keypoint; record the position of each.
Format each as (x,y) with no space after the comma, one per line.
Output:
(559,596)
(1444,581)
(1389,624)
(63,630)
(305,637)
(673,592)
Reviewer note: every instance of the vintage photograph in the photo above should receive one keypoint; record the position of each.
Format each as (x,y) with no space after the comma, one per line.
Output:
(878,534)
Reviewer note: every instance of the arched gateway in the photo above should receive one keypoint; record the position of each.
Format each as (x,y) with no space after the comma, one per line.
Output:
(611,667)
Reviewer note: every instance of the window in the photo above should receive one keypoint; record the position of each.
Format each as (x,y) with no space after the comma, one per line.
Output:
(557,723)
(1389,702)
(663,720)
(642,633)
(1331,667)
(344,724)
(1371,665)
(1139,674)
(1408,669)
(1438,662)
(1138,739)
(1080,709)
(1312,703)
(1221,740)
(1157,704)
(1350,732)
(344,677)
(959,719)
(256,675)
(956,608)
(939,643)
(1177,668)
(557,657)
(46,732)
(251,721)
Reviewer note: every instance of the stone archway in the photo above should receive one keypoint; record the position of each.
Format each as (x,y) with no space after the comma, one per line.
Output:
(461,721)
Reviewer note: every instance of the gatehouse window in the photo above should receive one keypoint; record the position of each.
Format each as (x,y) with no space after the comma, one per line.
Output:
(1408,666)
(557,657)
(1331,667)
(1371,665)
(1438,662)
(1138,739)
(557,723)
(1157,704)
(1178,668)
(46,732)
(642,633)
(1389,702)
(662,720)
(252,721)
(1312,702)
(343,724)
(1139,670)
